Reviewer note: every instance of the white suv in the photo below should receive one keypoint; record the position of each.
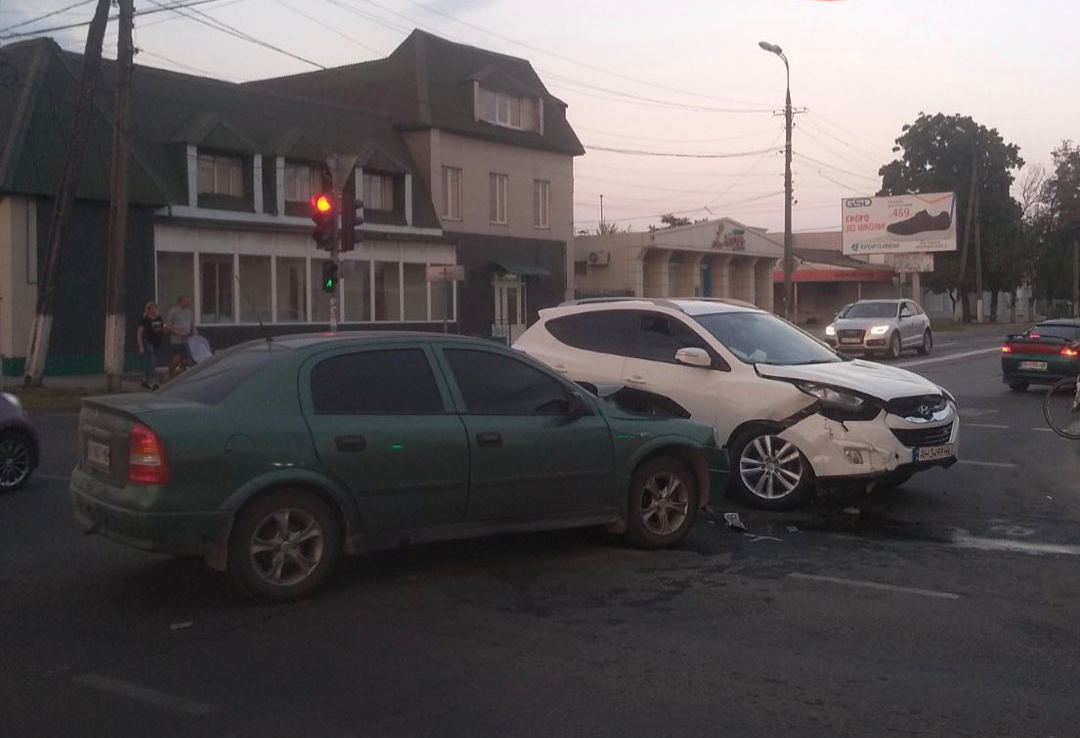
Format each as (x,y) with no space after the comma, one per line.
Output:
(787,407)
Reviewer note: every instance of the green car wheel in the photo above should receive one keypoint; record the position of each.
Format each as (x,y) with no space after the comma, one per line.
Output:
(663,503)
(284,544)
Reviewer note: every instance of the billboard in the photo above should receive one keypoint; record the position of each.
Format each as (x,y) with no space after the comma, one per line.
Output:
(901,224)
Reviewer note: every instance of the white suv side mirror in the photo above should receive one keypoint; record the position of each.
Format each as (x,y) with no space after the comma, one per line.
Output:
(693,357)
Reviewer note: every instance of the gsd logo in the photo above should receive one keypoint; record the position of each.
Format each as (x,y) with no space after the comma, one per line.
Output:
(857,202)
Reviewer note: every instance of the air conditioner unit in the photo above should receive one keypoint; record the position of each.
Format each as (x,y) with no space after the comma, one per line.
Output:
(599,258)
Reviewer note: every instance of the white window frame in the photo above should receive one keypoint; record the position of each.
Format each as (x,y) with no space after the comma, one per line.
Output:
(292,180)
(451,196)
(220,166)
(510,111)
(499,196)
(542,204)
(378,197)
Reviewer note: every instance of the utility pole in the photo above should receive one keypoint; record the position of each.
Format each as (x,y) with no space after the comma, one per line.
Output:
(979,315)
(1076,278)
(65,196)
(958,312)
(789,256)
(118,204)
(601,213)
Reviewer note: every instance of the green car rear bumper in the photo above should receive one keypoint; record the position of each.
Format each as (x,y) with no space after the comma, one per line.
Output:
(181,534)
(1057,367)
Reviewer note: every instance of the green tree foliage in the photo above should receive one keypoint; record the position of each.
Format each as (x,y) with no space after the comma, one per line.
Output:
(936,154)
(1059,224)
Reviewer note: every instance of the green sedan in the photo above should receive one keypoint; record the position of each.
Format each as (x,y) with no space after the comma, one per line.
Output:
(273,458)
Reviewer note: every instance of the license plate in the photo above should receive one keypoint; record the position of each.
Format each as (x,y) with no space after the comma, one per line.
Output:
(1033,366)
(850,340)
(97,454)
(933,453)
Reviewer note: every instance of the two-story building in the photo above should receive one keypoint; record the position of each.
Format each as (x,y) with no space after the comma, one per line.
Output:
(220,179)
(495,150)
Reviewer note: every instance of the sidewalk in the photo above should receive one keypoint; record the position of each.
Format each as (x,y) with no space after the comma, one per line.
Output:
(65,392)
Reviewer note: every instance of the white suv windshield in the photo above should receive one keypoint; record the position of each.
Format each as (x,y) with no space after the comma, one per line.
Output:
(872,310)
(761,338)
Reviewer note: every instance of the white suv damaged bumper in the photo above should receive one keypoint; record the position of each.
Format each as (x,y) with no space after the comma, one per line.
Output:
(878,447)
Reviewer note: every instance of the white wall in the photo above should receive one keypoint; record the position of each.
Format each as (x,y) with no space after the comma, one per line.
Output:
(18,273)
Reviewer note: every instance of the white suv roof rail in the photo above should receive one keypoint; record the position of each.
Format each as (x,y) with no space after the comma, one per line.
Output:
(600,300)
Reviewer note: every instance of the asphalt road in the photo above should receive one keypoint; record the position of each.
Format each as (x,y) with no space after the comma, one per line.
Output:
(945,608)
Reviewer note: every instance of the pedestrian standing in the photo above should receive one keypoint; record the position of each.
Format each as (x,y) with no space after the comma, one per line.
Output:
(149,337)
(180,323)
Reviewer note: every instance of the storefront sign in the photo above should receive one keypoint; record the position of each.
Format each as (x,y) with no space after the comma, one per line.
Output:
(445,273)
(919,223)
(733,240)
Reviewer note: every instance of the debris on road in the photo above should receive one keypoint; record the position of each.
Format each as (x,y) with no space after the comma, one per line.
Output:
(181,626)
(852,511)
(734,521)
(793,529)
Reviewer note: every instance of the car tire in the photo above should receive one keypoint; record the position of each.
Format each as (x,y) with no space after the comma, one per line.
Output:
(760,453)
(283,545)
(894,346)
(662,505)
(927,343)
(16,460)
(1018,385)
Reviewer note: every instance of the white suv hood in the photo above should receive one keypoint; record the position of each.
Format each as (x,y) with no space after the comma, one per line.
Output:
(877,380)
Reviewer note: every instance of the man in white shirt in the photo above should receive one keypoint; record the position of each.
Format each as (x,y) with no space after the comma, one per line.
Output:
(180,323)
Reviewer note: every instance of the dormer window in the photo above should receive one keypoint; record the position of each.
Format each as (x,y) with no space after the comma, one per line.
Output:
(302,181)
(221,175)
(378,191)
(509,111)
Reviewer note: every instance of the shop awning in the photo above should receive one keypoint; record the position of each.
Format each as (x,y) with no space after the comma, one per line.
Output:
(521,269)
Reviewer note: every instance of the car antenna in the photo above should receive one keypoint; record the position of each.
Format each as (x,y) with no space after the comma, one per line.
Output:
(266,333)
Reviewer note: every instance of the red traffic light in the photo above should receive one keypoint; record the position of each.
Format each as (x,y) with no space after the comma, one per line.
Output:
(322,204)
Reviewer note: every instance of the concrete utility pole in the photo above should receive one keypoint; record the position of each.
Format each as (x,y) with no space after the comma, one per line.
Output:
(1076,278)
(958,312)
(789,257)
(65,196)
(979,315)
(118,204)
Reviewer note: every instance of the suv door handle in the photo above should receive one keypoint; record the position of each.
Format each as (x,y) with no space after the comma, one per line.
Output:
(488,440)
(636,380)
(350,443)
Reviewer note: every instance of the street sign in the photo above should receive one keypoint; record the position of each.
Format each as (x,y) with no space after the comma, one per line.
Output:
(918,223)
(446,273)
(341,167)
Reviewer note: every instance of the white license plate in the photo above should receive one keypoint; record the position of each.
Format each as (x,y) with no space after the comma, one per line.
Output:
(850,340)
(933,453)
(97,454)
(1033,366)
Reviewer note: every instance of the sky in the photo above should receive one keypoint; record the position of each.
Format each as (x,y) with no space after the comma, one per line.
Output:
(684,77)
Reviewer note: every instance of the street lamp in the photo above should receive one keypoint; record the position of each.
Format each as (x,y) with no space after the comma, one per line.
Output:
(789,260)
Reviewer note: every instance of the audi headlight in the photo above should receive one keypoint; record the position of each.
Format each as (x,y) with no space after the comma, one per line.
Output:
(837,404)
(879,330)
(12,399)
(830,330)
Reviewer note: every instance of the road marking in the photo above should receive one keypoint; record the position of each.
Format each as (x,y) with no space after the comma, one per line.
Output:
(875,585)
(998,464)
(962,540)
(145,694)
(984,425)
(951,357)
(1043,430)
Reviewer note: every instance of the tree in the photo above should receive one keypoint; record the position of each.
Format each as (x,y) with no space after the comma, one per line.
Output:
(670,220)
(1060,203)
(937,153)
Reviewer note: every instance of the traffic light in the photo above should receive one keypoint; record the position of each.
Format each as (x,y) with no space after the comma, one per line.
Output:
(352,217)
(330,276)
(323,215)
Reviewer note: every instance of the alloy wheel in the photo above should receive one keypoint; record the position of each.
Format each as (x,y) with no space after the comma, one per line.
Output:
(665,503)
(287,546)
(770,467)
(14,462)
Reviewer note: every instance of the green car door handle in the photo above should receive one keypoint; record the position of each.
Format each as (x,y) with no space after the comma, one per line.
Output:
(488,440)
(350,443)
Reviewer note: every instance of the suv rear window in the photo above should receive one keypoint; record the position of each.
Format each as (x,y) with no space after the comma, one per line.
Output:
(214,379)
(604,331)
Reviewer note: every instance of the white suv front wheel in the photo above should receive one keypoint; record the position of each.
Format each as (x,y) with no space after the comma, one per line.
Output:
(770,472)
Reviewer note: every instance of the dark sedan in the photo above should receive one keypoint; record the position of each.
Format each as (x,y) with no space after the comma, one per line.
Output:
(19,451)
(1043,354)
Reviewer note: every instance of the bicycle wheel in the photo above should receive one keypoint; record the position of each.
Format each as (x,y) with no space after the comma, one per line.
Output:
(1061,406)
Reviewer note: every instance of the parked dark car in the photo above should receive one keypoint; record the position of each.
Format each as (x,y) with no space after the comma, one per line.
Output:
(1043,354)
(19,445)
(274,457)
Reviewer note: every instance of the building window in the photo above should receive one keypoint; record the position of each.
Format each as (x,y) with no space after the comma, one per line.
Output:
(387,290)
(255,289)
(356,290)
(221,175)
(216,280)
(301,182)
(509,111)
(541,203)
(500,185)
(442,300)
(378,192)
(320,299)
(416,292)
(291,290)
(451,194)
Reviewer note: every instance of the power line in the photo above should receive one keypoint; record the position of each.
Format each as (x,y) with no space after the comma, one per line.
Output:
(211,22)
(330,28)
(46,15)
(182,65)
(840,128)
(807,130)
(653,139)
(631,98)
(81,24)
(834,168)
(676,155)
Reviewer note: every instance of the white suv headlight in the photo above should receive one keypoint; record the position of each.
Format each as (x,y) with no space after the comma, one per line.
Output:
(830,330)
(879,330)
(839,405)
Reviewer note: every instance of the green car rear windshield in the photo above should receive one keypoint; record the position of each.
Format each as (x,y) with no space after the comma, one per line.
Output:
(211,381)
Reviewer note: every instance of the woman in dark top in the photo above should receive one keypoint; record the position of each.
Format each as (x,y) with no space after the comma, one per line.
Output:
(149,337)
